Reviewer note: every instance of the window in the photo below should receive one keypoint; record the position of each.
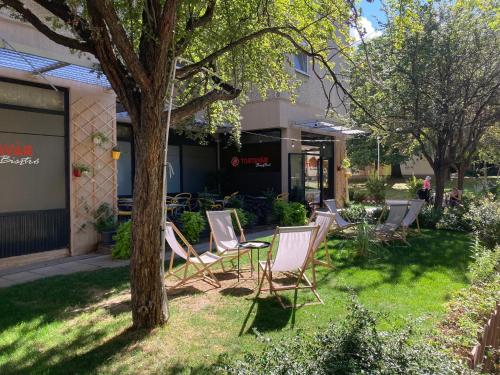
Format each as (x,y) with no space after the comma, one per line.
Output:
(300,61)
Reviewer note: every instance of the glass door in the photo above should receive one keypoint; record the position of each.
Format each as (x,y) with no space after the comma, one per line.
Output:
(312,173)
(296,181)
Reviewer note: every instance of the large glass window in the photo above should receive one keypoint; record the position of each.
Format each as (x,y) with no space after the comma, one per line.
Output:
(32,161)
(34,214)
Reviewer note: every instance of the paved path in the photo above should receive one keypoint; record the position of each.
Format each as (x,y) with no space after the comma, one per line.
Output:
(88,262)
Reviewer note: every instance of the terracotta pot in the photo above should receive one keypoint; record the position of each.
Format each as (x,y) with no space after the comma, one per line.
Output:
(77,172)
(115,155)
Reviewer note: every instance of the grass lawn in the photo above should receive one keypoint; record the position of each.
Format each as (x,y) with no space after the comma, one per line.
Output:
(80,323)
(398,188)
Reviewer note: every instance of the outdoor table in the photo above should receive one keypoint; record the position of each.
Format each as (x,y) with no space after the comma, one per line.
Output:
(252,245)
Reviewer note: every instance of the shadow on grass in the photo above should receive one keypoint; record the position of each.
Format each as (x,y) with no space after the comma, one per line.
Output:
(270,316)
(59,297)
(67,357)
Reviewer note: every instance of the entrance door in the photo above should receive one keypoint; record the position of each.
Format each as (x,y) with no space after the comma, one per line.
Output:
(296,177)
(34,209)
(310,178)
(312,173)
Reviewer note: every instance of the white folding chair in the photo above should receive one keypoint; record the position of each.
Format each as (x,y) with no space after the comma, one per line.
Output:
(200,262)
(324,221)
(387,231)
(223,236)
(342,224)
(294,255)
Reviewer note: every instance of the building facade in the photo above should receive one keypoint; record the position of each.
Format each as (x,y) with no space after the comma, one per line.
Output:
(58,118)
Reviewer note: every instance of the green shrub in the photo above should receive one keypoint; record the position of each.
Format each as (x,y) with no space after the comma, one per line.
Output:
(486,263)
(470,308)
(414,185)
(246,218)
(454,218)
(123,241)
(429,217)
(354,213)
(105,218)
(359,196)
(351,345)
(484,215)
(290,213)
(376,187)
(192,224)
(365,244)
(374,216)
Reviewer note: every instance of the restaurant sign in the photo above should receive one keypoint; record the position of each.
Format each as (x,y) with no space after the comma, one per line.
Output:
(257,162)
(17,154)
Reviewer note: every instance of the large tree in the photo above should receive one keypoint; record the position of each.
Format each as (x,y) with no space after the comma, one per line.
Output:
(228,47)
(434,81)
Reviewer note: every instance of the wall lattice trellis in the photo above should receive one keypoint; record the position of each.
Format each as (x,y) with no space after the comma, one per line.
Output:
(99,186)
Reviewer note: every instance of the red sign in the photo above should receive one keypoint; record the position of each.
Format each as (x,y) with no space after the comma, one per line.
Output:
(16,150)
(235,161)
(258,162)
(15,154)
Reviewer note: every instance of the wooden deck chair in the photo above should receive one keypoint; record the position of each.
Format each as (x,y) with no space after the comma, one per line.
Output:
(324,221)
(342,224)
(222,233)
(412,216)
(387,231)
(294,255)
(201,263)
(184,199)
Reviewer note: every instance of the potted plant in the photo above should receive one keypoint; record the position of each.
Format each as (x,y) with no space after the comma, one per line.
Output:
(346,166)
(99,138)
(106,223)
(115,153)
(80,169)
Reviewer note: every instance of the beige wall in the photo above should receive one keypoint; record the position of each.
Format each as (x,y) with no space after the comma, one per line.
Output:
(279,112)
(91,109)
(418,167)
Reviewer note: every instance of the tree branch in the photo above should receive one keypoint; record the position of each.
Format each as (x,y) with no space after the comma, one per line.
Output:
(18,6)
(189,109)
(62,11)
(106,10)
(188,70)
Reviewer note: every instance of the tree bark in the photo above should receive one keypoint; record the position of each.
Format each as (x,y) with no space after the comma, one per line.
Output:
(396,170)
(440,176)
(149,298)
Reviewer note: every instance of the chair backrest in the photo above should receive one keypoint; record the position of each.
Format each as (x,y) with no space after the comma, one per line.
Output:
(332,207)
(294,248)
(412,214)
(183,196)
(221,226)
(396,215)
(169,199)
(324,220)
(170,230)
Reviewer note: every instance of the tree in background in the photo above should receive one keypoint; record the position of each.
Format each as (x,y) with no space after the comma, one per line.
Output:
(431,81)
(246,43)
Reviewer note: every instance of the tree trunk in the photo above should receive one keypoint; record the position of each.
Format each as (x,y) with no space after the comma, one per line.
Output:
(440,176)
(461,176)
(149,299)
(396,170)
